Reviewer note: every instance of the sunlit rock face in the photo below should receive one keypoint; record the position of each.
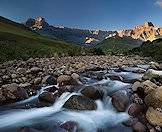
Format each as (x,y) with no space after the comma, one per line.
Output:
(144,32)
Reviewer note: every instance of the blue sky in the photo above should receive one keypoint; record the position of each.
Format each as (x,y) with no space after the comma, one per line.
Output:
(87,14)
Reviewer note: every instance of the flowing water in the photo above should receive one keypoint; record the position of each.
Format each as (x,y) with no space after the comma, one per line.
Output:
(105,118)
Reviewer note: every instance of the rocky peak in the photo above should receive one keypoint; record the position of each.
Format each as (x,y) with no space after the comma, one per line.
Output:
(148,24)
(38,22)
(30,22)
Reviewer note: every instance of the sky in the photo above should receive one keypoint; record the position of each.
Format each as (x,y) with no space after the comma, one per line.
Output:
(86,14)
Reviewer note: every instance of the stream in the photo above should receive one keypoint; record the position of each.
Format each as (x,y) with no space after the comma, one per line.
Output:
(104,119)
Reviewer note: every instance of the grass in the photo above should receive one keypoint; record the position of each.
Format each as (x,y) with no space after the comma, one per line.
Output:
(116,45)
(18,42)
(150,49)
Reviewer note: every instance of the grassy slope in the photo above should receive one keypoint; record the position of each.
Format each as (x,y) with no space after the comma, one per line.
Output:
(116,45)
(150,49)
(18,42)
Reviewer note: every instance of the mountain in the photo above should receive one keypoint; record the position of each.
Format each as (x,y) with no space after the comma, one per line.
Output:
(150,49)
(20,42)
(144,32)
(79,36)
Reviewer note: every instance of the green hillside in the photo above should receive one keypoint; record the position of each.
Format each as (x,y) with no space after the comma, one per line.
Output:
(116,45)
(150,49)
(19,42)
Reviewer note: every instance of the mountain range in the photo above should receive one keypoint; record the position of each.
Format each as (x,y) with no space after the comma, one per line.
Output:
(144,32)
(36,38)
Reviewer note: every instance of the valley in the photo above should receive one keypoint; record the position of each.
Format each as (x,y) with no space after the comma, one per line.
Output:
(54,78)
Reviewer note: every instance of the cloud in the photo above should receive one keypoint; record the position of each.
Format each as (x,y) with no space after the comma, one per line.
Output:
(159,3)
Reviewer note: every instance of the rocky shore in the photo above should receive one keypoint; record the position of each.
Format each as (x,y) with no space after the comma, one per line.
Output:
(142,99)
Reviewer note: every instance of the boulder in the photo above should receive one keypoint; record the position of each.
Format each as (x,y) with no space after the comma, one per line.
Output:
(120,101)
(13,92)
(136,85)
(149,86)
(2,97)
(69,126)
(63,80)
(135,110)
(52,89)
(93,92)
(76,78)
(49,80)
(69,88)
(37,81)
(154,65)
(130,122)
(25,85)
(47,97)
(77,102)
(21,71)
(154,116)
(151,74)
(34,70)
(152,130)
(139,127)
(154,98)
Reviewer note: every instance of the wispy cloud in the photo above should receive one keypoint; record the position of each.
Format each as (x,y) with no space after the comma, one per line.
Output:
(159,3)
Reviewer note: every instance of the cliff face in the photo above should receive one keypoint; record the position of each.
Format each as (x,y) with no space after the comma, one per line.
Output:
(143,32)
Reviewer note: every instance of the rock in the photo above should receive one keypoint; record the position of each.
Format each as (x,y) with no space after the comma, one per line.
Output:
(46,99)
(2,97)
(34,70)
(14,76)
(157,80)
(21,71)
(137,88)
(154,98)
(139,127)
(76,78)
(25,85)
(135,110)
(5,77)
(51,89)
(130,122)
(70,126)
(13,92)
(92,92)
(154,65)
(120,101)
(158,128)
(136,99)
(100,76)
(136,85)
(151,74)
(66,80)
(77,102)
(149,86)
(47,96)
(49,80)
(69,88)
(37,81)
(152,130)
(140,71)
(154,116)
(115,77)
